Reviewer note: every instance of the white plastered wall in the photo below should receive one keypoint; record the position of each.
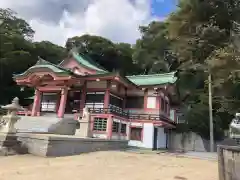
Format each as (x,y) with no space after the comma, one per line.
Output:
(147,139)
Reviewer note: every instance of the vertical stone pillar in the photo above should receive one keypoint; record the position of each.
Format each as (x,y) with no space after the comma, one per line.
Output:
(221,168)
(107,95)
(36,103)
(109,127)
(61,109)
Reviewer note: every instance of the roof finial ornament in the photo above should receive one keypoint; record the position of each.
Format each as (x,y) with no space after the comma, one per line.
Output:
(41,61)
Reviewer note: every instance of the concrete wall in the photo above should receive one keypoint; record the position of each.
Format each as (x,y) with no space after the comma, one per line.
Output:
(62,145)
(188,142)
(229,162)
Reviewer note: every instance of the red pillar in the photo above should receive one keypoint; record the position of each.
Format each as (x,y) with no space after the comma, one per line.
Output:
(125,98)
(36,103)
(83,96)
(61,109)
(109,127)
(107,95)
(158,98)
(39,104)
(145,98)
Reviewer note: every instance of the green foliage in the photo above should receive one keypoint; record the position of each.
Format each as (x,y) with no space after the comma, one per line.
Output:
(152,52)
(114,57)
(18,52)
(201,36)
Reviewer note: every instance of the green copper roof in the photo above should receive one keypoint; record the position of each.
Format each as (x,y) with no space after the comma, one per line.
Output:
(153,79)
(82,60)
(86,62)
(41,63)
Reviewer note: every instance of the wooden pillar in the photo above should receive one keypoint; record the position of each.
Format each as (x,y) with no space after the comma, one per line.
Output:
(107,95)
(109,127)
(39,104)
(158,99)
(145,99)
(128,130)
(119,129)
(36,103)
(61,109)
(83,96)
(125,98)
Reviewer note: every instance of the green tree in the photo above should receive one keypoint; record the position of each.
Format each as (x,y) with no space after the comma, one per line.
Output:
(114,57)
(18,53)
(49,51)
(152,51)
(200,31)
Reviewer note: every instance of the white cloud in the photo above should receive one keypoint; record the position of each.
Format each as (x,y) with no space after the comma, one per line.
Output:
(55,21)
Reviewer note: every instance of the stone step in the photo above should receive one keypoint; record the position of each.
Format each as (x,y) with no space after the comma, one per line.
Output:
(45,124)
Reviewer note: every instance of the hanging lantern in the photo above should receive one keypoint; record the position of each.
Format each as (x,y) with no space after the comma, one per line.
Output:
(22,89)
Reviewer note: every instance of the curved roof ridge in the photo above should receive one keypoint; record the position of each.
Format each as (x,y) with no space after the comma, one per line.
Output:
(156,74)
(153,79)
(85,62)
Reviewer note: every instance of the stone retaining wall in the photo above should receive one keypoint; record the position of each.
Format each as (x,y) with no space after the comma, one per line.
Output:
(61,145)
(229,162)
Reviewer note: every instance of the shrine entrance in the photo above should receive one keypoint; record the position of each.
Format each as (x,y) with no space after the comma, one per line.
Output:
(50,102)
(73,102)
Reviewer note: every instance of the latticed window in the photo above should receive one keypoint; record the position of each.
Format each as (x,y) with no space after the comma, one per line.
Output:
(136,134)
(115,127)
(100,124)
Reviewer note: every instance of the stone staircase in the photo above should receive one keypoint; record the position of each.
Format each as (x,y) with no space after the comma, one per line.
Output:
(46,124)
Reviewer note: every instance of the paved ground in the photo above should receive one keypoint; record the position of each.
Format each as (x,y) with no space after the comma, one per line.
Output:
(201,155)
(198,155)
(107,166)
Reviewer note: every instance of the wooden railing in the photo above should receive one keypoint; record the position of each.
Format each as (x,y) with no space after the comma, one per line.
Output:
(130,115)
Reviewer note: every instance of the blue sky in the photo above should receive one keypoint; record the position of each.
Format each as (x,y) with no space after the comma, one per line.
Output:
(163,8)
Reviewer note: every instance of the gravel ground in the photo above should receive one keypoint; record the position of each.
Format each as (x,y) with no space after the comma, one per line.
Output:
(107,166)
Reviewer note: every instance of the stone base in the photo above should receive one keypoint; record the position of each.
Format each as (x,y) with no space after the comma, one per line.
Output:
(231,142)
(9,145)
(50,145)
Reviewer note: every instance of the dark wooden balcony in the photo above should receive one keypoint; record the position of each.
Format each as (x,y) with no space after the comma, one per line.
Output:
(129,115)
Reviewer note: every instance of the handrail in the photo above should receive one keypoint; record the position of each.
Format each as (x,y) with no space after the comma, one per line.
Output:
(129,115)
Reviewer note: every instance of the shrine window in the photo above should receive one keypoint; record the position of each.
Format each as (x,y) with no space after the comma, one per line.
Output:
(95,99)
(115,127)
(136,134)
(100,124)
(116,101)
(123,128)
(135,102)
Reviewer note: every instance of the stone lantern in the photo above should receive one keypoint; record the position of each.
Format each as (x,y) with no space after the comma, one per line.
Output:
(7,122)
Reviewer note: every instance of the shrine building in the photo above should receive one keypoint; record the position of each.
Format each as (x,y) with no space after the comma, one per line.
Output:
(138,108)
